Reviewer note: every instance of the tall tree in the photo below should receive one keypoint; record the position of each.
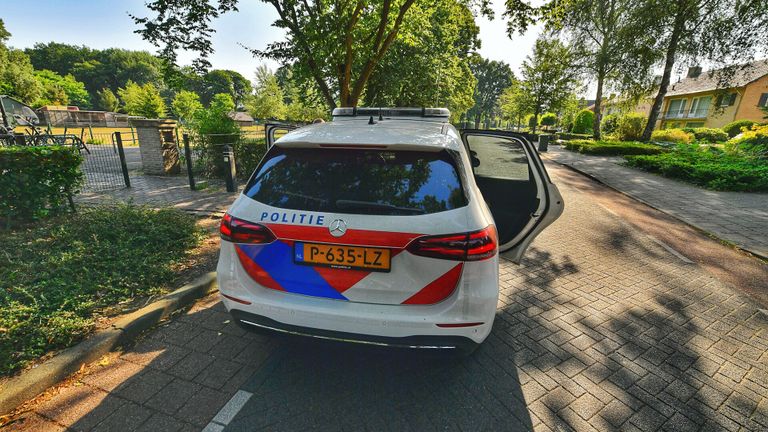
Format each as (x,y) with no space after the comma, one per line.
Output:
(16,73)
(106,100)
(142,100)
(185,105)
(492,78)
(608,41)
(268,100)
(427,64)
(718,31)
(55,86)
(514,104)
(547,78)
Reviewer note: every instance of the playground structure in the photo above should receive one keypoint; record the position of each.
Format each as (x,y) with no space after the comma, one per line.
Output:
(17,114)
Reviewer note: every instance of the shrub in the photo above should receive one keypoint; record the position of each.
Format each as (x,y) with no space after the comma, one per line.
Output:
(214,129)
(571,136)
(714,170)
(753,142)
(709,135)
(36,180)
(613,148)
(548,119)
(583,122)
(734,128)
(678,136)
(610,123)
(630,126)
(248,154)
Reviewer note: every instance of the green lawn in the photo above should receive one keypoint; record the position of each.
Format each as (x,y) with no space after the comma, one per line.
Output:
(58,276)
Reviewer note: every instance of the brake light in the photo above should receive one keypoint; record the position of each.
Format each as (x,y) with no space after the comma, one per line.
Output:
(471,246)
(240,231)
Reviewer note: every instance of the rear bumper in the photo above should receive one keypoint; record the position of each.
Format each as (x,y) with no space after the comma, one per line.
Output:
(458,343)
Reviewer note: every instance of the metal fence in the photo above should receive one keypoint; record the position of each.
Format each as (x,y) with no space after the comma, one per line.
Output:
(105,163)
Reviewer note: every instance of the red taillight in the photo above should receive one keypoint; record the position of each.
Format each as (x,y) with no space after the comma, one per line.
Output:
(472,246)
(240,231)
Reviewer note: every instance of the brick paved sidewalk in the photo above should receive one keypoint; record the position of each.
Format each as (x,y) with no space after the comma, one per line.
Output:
(740,218)
(165,191)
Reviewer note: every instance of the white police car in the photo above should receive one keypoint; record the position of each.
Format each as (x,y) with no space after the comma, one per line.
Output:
(383,227)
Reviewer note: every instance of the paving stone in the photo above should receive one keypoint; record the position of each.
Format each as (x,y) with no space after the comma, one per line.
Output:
(173,396)
(127,417)
(32,422)
(161,422)
(109,376)
(142,387)
(586,406)
(79,407)
(191,365)
(202,406)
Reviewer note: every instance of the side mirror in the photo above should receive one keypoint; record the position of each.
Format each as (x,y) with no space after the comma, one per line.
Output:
(475,161)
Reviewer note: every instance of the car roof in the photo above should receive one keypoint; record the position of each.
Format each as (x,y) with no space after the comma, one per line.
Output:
(395,134)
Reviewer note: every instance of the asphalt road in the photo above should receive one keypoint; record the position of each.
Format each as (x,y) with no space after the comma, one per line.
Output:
(619,318)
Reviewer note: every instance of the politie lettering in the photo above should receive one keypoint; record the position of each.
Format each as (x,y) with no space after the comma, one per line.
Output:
(301,218)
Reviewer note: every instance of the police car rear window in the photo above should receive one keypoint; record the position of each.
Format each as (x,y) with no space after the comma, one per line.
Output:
(358,181)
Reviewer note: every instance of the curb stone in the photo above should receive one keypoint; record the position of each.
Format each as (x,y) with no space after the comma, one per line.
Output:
(640,200)
(34,381)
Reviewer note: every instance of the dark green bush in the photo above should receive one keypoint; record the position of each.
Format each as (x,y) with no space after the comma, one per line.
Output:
(711,169)
(58,276)
(583,122)
(548,119)
(572,136)
(248,154)
(613,148)
(710,135)
(734,128)
(630,127)
(610,123)
(35,181)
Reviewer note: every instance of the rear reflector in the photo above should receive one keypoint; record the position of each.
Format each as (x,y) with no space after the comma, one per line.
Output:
(240,231)
(455,325)
(471,246)
(235,299)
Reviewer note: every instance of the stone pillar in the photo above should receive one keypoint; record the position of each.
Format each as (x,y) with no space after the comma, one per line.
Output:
(158,147)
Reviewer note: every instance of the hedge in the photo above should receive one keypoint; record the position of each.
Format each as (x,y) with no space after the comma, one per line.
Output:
(753,142)
(36,181)
(572,136)
(613,148)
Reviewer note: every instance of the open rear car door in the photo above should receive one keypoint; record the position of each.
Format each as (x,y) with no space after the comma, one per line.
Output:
(273,131)
(515,185)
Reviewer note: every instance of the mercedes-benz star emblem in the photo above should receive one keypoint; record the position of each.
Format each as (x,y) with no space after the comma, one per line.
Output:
(337,228)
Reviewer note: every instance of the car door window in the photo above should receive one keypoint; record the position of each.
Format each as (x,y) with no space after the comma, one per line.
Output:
(514,185)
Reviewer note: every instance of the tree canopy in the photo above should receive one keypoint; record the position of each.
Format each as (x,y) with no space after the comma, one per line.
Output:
(492,78)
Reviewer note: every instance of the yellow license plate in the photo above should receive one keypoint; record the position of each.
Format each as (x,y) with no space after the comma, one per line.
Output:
(345,257)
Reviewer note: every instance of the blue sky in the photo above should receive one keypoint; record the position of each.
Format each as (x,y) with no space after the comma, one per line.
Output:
(105,23)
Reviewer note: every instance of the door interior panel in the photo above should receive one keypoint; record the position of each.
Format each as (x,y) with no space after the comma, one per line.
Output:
(511,203)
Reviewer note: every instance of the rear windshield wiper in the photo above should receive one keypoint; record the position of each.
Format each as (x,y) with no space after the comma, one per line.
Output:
(347,204)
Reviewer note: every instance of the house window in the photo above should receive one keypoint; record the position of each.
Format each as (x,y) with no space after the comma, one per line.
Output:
(700,106)
(694,124)
(676,108)
(727,99)
(763,102)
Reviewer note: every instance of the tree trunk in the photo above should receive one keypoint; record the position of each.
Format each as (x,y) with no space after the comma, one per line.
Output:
(669,62)
(598,105)
(477,121)
(535,121)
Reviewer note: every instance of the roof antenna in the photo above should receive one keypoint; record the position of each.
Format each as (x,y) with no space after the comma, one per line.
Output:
(370,121)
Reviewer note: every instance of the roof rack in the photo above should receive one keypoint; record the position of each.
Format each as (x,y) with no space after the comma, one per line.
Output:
(382,113)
